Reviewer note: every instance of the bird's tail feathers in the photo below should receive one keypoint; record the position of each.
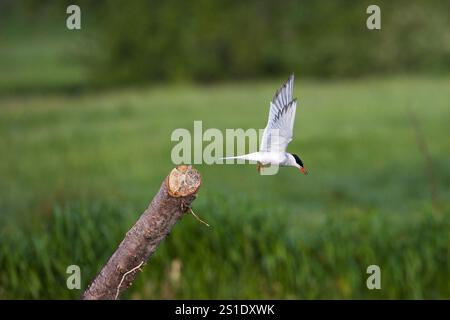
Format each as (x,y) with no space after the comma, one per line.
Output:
(236,157)
(250,157)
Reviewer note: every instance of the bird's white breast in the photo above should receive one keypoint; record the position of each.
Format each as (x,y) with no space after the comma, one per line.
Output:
(274,158)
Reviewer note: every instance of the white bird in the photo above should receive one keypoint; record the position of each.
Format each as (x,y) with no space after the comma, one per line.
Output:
(278,132)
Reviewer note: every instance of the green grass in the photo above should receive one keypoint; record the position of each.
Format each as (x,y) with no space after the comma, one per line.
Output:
(76,171)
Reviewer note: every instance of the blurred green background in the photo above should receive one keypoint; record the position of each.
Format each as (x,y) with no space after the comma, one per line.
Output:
(86,118)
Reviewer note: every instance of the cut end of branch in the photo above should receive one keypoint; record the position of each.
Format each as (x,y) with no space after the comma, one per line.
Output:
(183,181)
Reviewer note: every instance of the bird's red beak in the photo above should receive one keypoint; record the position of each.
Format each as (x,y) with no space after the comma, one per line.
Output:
(303,170)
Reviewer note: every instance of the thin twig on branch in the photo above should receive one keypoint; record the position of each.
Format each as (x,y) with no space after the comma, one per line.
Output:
(174,198)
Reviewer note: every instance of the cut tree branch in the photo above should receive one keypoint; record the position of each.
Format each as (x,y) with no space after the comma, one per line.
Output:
(174,198)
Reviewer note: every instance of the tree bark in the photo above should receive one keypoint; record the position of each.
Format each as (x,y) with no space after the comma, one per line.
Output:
(174,198)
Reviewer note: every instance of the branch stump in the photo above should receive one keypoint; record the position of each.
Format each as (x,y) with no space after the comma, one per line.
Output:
(173,199)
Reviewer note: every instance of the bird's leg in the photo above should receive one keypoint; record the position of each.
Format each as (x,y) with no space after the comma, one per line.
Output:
(259,165)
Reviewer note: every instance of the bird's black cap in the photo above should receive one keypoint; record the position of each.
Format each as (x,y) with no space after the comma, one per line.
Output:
(297,159)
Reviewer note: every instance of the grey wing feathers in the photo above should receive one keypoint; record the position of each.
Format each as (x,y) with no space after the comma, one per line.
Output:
(281,119)
(283,96)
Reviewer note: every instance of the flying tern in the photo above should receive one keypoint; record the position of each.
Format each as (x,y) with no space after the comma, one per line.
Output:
(278,132)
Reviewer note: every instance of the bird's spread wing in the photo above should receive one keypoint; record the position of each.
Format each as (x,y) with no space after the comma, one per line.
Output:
(278,132)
